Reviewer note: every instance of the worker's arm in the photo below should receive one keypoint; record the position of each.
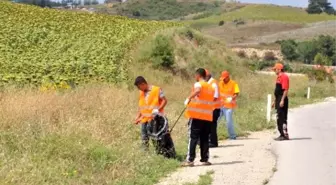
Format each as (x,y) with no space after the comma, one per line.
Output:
(163,103)
(235,95)
(216,94)
(285,87)
(194,93)
(138,117)
(285,93)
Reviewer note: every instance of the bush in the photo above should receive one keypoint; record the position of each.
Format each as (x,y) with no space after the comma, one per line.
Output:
(238,22)
(307,51)
(162,52)
(136,13)
(254,56)
(321,59)
(221,23)
(241,54)
(269,55)
(320,75)
(288,49)
(260,65)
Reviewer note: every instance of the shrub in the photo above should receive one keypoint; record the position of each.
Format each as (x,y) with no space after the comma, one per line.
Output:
(307,51)
(254,56)
(221,23)
(320,75)
(238,22)
(264,64)
(136,13)
(269,55)
(321,59)
(288,49)
(241,54)
(162,52)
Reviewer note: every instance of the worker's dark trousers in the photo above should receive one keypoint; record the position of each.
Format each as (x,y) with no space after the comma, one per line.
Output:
(282,113)
(144,136)
(198,130)
(213,132)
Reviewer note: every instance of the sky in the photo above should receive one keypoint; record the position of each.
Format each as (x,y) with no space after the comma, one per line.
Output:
(297,3)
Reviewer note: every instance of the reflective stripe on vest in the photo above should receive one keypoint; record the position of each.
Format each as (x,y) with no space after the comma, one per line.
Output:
(202,102)
(200,110)
(201,107)
(153,102)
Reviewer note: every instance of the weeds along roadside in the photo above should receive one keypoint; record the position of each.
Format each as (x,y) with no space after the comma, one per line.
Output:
(86,135)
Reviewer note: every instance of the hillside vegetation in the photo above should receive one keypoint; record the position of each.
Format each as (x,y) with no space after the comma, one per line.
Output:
(163,9)
(48,46)
(85,135)
(265,12)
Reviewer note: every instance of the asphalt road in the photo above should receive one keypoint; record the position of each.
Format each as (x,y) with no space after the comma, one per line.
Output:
(309,158)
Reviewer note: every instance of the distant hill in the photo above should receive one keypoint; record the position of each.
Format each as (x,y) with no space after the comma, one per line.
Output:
(161,9)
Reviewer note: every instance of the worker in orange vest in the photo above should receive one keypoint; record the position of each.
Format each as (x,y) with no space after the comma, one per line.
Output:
(151,102)
(229,91)
(213,141)
(199,111)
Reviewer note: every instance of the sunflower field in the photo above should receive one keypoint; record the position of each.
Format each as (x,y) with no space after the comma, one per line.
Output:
(41,45)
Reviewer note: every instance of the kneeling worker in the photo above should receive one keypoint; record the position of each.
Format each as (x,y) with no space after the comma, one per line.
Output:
(199,111)
(151,102)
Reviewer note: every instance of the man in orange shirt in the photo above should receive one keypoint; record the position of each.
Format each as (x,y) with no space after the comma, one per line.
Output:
(151,102)
(229,91)
(281,101)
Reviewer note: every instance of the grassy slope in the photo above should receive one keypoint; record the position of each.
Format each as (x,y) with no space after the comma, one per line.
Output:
(86,136)
(266,12)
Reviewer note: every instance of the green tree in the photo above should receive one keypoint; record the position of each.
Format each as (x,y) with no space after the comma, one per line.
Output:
(319,6)
(321,59)
(326,45)
(333,48)
(288,49)
(314,8)
(307,51)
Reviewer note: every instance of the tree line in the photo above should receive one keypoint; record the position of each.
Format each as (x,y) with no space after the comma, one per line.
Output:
(321,50)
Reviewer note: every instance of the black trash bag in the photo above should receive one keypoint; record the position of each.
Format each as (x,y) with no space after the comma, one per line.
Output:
(158,131)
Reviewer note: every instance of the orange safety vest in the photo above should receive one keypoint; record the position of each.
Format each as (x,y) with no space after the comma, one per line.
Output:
(227,90)
(201,107)
(153,102)
(218,102)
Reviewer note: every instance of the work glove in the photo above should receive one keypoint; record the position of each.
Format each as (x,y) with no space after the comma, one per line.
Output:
(229,99)
(186,102)
(155,112)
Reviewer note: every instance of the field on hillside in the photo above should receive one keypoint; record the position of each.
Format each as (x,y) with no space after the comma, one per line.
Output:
(264,12)
(48,46)
(233,34)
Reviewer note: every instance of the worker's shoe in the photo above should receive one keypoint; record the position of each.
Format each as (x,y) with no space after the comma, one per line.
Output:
(187,164)
(213,145)
(206,163)
(281,138)
(233,138)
